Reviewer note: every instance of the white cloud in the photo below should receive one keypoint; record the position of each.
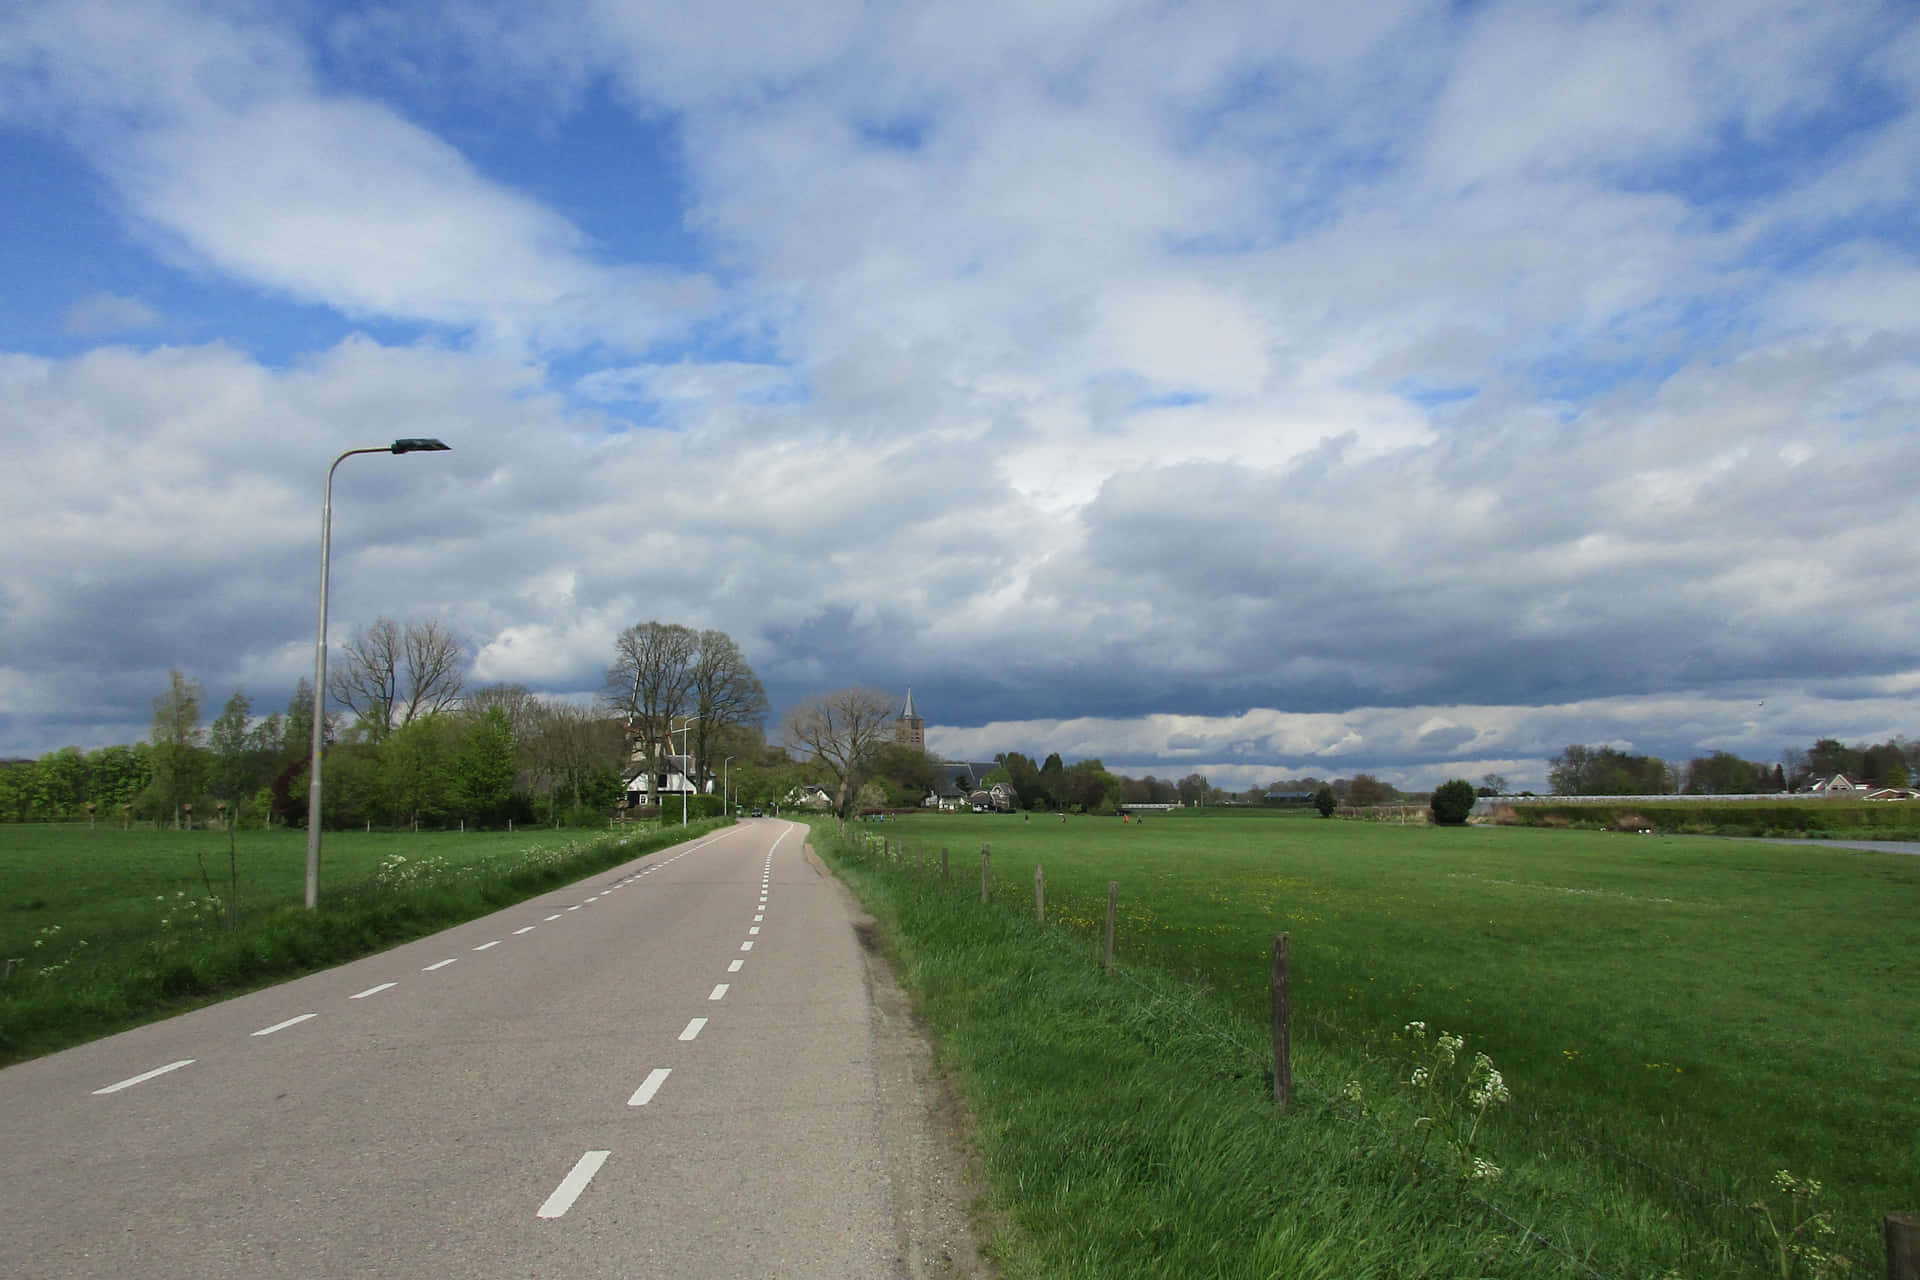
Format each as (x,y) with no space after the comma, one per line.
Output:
(102,313)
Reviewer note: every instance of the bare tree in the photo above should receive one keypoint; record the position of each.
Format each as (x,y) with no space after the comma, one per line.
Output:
(389,676)
(725,692)
(567,744)
(842,731)
(516,700)
(651,676)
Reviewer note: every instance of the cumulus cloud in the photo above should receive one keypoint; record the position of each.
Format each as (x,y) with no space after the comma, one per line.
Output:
(103,313)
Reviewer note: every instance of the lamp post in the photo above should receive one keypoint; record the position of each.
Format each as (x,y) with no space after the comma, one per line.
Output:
(725,766)
(686,765)
(412,444)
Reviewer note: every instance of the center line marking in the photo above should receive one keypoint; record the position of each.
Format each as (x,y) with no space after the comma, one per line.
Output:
(483,946)
(443,964)
(733,966)
(554,916)
(747,945)
(650,1086)
(575,907)
(718,991)
(372,991)
(760,917)
(518,932)
(282,1026)
(753,928)
(144,1076)
(693,1028)
(573,1184)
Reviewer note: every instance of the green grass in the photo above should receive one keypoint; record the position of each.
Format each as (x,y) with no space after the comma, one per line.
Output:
(1828,819)
(115,927)
(1677,1019)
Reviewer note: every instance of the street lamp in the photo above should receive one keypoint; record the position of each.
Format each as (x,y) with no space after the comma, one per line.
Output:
(686,765)
(724,766)
(411,444)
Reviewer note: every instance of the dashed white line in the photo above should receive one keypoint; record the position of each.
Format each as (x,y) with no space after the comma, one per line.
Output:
(441,965)
(573,1184)
(483,946)
(747,945)
(693,1028)
(282,1026)
(527,929)
(554,916)
(734,966)
(719,991)
(759,918)
(145,1076)
(650,1086)
(753,928)
(575,907)
(372,991)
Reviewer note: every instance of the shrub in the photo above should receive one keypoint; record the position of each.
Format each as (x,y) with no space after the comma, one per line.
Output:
(1323,801)
(1452,802)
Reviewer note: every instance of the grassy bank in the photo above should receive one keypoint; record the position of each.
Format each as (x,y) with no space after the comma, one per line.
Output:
(1676,1024)
(114,928)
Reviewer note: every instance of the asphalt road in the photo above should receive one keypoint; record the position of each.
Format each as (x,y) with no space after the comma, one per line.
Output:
(675,1068)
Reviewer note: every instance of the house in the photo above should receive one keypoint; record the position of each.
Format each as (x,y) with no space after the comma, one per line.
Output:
(1893,793)
(1837,785)
(808,796)
(956,781)
(673,776)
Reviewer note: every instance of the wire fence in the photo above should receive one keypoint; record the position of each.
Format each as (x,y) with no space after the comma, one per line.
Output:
(1333,1097)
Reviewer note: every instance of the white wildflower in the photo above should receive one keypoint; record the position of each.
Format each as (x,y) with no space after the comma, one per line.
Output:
(1419,1077)
(1485,1170)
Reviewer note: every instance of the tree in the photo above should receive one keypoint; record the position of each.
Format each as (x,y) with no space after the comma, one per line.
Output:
(415,767)
(179,768)
(516,701)
(1324,801)
(1087,784)
(485,765)
(842,731)
(1053,777)
(1193,789)
(389,676)
(725,692)
(60,783)
(229,743)
(1024,775)
(1493,784)
(904,771)
(1604,771)
(649,682)
(1451,802)
(117,775)
(1365,790)
(1724,774)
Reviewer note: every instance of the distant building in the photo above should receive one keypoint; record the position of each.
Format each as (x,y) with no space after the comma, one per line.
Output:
(910,730)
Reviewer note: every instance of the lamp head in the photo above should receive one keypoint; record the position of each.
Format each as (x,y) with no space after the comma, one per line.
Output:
(420,444)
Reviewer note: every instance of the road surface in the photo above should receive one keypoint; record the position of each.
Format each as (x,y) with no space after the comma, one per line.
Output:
(686,1066)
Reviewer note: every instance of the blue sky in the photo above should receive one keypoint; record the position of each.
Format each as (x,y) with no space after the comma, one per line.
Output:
(1257,390)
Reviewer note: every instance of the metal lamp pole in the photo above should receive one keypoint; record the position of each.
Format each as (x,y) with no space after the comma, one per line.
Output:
(686,765)
(408,445)
(725,766)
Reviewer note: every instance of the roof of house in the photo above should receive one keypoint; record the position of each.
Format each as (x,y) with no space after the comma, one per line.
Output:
(959,777)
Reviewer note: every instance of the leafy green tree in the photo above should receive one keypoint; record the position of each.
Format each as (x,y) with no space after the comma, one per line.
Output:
(118,774)
(1053,776)
(1324,801)
(230,743)
(179,761)
(415,769)
(1604,771)
(1087,785)
(485,766)
(60,784)
(1365,790)
(16,791)
(1192,789)
(1724,774)
(1024,775)
(1451,802)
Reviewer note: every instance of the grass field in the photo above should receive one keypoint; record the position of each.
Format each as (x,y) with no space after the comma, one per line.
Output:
(1677,1018)
(112,927)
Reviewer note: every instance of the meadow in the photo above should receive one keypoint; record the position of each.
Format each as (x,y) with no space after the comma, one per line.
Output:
(102,928)
(1678,1019)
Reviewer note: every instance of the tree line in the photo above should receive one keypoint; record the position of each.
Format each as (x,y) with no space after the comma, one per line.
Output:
(1582,770)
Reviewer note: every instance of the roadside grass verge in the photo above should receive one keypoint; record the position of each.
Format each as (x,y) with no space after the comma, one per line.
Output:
(1677,1022)
(110,940)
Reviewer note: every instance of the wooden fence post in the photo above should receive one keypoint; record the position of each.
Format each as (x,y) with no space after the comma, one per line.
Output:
(1282,1030)
(1902,1233)
(986,862)
(945,872)
(1039,894)
(1113,897)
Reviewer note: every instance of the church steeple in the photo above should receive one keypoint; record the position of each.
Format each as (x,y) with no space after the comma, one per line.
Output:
(910,730)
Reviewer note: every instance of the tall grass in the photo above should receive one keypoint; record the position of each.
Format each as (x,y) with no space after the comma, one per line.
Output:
(101,953)
(1677,1021)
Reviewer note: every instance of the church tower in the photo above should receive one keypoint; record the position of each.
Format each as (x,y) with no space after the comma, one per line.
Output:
(910,730)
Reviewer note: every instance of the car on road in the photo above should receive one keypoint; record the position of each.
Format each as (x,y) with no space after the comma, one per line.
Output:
(758,814)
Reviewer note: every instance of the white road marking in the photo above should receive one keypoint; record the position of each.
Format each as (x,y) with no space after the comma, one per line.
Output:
(733,966)
(483,946)
(650,1086)
(759,918)
(282,1026)
(573,1184)
(372,991)
(443,964)
(747,945)
(518,932)
(753,929)
(718,991)
(574,907)
(145,1076)
(693,1028)
(554,916)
